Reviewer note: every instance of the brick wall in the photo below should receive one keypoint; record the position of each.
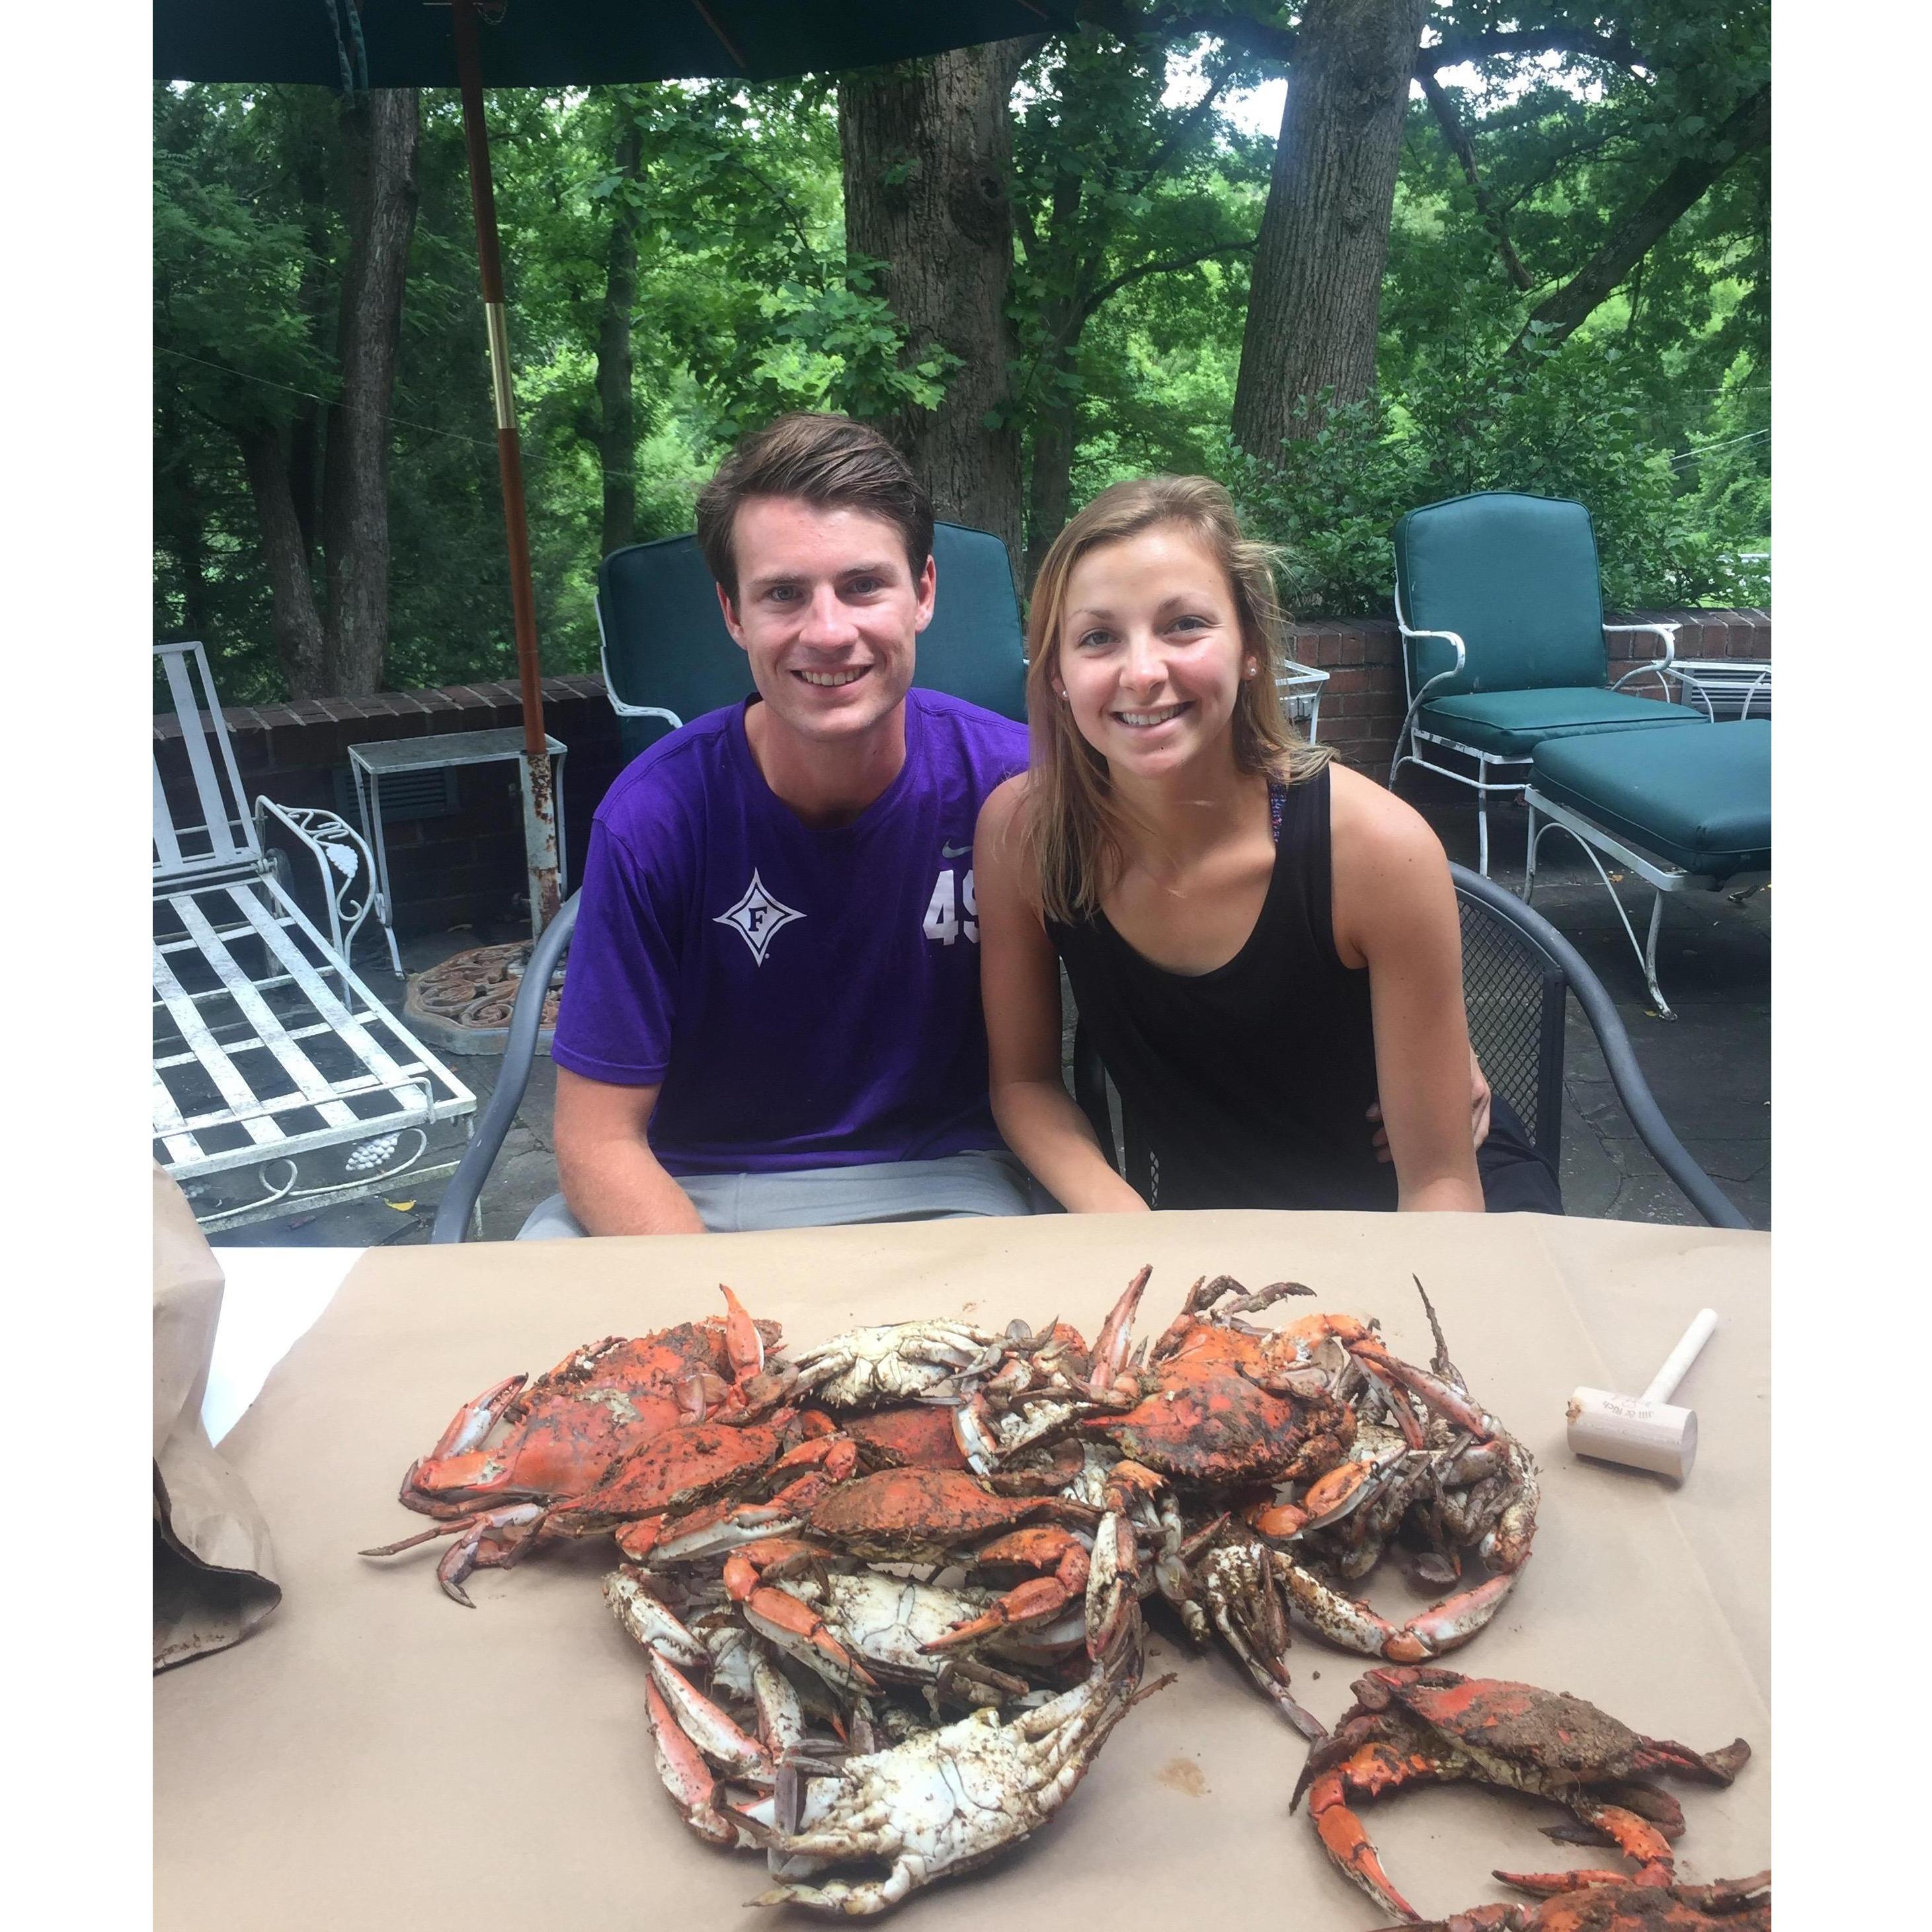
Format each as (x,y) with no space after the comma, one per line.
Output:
(443,871)
(470,865)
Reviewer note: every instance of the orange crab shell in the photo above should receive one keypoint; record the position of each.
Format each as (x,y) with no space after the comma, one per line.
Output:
(565,1431)
(684,1465)
(917,1437)
(896,1514)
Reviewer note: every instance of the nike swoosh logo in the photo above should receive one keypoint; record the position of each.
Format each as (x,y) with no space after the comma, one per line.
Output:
(954,851)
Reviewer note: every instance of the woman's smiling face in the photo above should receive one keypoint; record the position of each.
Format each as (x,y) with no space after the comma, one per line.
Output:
(1151,657)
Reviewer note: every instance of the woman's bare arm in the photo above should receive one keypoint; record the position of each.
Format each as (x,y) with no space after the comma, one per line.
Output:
(1395,912)
(1019,981)
(612,1181)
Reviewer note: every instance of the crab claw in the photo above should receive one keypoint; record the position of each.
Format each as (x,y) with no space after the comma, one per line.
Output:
(742,1341)
(1343,1837)
(707,1725)
(1110,1351)
(788,1621)
(686,1776)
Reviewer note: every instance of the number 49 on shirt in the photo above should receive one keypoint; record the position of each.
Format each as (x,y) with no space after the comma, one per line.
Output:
(943,921)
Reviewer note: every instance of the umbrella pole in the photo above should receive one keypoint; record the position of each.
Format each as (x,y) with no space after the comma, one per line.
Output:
(539,793)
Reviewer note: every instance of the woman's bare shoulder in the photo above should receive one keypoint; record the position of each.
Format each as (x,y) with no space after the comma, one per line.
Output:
(1003,806)
(1390,874)
(999,848)
(1369,827)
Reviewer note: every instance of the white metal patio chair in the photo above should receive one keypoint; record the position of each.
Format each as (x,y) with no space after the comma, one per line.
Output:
(269,1053)
(1501,610)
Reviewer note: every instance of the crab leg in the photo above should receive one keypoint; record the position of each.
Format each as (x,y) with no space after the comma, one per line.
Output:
(1038,1601)
(493,1539)
(707,1725)
(788,1620)
(780,1717)
(686,1776)
(1351,1623)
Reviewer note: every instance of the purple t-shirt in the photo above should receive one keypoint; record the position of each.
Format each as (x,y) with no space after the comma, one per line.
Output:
(807,997)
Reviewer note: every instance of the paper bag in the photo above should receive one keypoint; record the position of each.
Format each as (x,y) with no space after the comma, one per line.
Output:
(213,1565)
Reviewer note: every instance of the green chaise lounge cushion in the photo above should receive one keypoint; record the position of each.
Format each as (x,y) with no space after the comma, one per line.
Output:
(1699,797)
(1512,724)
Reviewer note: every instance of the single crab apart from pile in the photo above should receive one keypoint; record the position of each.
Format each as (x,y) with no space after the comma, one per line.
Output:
(889,1593)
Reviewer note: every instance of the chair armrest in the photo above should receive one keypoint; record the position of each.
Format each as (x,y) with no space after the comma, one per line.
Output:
(520,1051)
(621,706)
(1668,632)
(1619,1057)
(1415,704)
(339,852)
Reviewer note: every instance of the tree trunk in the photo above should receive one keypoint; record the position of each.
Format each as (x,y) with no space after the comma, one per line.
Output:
(380,138)
(927,147)
(617,438)
(1049,483)
(179,521)
(295,623)
(1316,295)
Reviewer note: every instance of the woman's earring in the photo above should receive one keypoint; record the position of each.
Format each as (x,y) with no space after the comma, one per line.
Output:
(1250,672)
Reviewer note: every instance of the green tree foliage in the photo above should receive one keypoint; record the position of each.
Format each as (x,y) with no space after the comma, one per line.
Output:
(1137,191)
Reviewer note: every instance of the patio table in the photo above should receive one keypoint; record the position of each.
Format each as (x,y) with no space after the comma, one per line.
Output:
(377,1756)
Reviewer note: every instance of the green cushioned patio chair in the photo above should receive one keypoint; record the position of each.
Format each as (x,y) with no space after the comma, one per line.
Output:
(1501,615)
(667,657)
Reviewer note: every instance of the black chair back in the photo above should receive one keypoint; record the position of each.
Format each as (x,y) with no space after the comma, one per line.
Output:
(1514,993)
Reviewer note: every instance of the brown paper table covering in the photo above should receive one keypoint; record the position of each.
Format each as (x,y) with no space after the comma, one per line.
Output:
(377,1756)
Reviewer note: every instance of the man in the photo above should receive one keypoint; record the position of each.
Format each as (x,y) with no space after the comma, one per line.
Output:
(772,1015)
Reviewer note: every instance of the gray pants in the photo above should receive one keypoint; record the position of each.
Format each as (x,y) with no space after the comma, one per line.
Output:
(992,1182)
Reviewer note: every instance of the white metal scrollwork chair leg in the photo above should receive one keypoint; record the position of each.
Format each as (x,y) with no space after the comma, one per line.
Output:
(1646,952)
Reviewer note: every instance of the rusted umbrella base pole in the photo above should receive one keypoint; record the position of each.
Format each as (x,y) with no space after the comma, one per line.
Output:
(540,793)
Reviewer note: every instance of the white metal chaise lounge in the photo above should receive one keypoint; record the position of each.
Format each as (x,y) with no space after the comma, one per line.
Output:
(274,1066)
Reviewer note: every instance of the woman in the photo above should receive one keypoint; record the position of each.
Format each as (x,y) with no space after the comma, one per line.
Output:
(1261,943)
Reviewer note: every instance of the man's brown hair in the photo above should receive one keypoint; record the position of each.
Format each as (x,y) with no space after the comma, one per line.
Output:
(829,461)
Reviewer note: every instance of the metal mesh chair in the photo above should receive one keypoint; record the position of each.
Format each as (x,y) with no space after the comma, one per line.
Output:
(1517,970)
(1513,992)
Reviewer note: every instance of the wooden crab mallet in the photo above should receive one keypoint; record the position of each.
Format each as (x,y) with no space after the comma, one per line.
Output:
(1646,1431)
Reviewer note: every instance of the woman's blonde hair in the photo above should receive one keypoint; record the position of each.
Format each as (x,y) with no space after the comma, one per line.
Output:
(1073,827)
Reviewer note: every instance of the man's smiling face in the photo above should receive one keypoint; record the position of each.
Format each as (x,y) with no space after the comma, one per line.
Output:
(828,610)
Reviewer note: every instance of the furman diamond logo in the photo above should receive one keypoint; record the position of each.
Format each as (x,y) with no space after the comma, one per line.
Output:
(757,918)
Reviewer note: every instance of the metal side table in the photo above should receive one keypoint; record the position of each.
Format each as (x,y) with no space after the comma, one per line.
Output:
(1740,686)
(369,764)
(1300,687)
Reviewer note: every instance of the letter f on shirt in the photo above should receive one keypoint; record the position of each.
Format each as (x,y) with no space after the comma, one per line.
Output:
(758,917)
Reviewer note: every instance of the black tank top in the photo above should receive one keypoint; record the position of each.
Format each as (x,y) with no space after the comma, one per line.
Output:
(1249,1086)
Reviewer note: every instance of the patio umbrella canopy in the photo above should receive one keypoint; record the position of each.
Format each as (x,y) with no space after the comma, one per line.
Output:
(572,43)
(362,43)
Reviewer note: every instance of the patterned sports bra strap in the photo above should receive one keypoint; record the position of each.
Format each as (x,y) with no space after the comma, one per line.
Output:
(1277,804)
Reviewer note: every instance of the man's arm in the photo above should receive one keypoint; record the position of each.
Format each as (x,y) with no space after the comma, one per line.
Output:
(612,1181)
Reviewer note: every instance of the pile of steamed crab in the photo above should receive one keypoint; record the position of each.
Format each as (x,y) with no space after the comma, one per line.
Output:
(889,1593)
